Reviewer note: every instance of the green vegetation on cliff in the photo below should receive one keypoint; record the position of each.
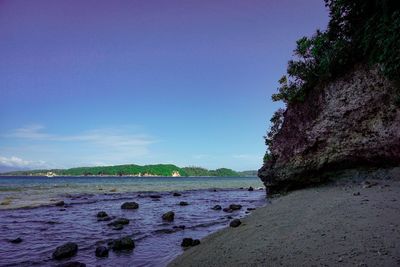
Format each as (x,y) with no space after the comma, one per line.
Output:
(132,169)
(359,31)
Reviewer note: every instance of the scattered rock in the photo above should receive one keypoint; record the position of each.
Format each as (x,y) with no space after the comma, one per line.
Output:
(177,194)
(217,207)
(187,242)
(183,203)
(130,206)
(16,240)
(113,190)
(368,184)
(235,207)
(122,221)
(60,203)
(227,210)
(101,252)
(250,209)
(118,227)
(124,243)
(155,196)
(72,264)
(356,193)
(62,209)
(179,227)
(65,251)
(235,223)
(102,214)
(168,216)
(250,189)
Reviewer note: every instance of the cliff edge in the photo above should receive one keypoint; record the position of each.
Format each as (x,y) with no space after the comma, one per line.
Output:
(351,123)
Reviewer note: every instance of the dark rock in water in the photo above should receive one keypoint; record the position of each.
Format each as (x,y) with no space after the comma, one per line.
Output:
(217,207)
(102,214)
(59,203)
(227,210)
(65,251)
(196,242)
(130,206)
(155,196)
(235,207)
(168,216)
(215,190)
(16,241)
(356,194)
(251,209)
(183,203)
(250,188)
(62,209)
(124,243)
(182,227)
(176,194)
(235,223)
(118,227)
(101,252)
(187,242)
(229,217)
(72,264)
(368,184)
(122,221)
(156,199)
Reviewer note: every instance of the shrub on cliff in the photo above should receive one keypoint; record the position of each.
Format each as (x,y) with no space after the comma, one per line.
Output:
(365,31)
(359,31)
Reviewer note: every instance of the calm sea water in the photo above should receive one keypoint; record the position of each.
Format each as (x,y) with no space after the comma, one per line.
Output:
(27,210)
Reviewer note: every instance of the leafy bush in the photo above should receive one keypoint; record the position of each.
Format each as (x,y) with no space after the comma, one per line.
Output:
(359,31)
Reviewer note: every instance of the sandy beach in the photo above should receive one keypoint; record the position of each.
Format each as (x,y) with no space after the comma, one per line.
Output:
(342,224)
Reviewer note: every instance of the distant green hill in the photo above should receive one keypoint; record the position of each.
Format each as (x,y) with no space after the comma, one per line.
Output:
(130,170)
(248,173)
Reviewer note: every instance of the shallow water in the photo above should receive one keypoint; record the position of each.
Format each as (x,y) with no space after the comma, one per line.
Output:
(46,227)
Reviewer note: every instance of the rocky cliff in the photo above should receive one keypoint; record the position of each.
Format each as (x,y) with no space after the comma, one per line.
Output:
(352,123)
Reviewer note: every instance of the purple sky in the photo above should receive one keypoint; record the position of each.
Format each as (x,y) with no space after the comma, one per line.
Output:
(113,82)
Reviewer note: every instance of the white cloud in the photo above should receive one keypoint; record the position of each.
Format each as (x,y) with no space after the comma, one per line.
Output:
(18,163)
(106,145)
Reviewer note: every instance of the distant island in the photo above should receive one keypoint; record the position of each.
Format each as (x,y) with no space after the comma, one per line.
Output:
(168,170)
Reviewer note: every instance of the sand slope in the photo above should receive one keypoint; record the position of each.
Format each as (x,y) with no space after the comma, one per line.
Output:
(324,226)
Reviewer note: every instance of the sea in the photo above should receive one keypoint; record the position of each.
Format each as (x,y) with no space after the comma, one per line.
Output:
(28,210)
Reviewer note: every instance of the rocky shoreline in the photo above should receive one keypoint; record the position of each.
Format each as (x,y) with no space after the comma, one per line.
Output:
(346,223)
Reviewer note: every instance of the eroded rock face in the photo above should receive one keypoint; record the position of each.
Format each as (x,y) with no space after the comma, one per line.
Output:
(350,123)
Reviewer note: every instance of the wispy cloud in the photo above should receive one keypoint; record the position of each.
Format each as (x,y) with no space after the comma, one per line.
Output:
(106,137)
(16,163)
(107,145)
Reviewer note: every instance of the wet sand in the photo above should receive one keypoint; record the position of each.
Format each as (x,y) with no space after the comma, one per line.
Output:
(347,224)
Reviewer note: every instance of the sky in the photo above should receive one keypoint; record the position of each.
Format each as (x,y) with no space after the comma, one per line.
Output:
(86,83)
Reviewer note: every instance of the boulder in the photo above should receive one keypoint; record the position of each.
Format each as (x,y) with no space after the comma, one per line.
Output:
(124,243)
(217,207)
(16,240)
(101,252)
(250,188)
(122,221)
(155,196)
(187,242)
(196,242)
(130,206)
(183,203)
(65,251)
(235,207)
(59,203)
(168,216)
(102,214)
(227,210)
(235,223)
(177,194)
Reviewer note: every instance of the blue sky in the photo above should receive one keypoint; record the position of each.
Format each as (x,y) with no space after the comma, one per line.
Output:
(115,82)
